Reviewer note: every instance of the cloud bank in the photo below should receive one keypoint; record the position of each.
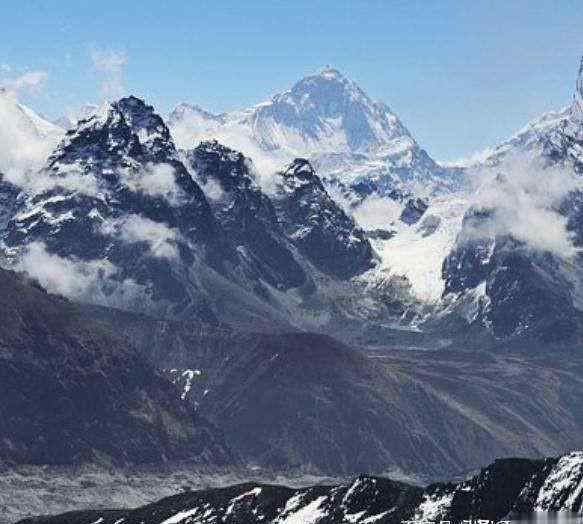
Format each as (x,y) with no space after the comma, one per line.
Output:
(75,279)
(524,197)
(376,212)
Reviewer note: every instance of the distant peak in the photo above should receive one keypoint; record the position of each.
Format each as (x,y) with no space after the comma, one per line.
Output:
(301,170)
(185,108)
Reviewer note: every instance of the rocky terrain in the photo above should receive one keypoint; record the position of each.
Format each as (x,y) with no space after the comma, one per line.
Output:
(506,488)
(75,392)
(314,297)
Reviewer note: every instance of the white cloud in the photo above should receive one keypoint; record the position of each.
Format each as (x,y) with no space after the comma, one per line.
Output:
(524,197)
(110,65)
(377,212)
(23,146)
(71,179)
(212,189)
(189,131)
(160,238)
(72,278)
(91,281)
(154,180)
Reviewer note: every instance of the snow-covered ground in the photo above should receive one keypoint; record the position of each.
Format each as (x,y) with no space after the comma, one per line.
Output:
(418,256)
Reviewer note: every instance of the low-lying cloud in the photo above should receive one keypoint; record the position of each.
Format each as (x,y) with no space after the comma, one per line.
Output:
(524,199)
(376,212)
(75,279)
(155,180)
(24,147)
(161,239)
(189,131)
(93,281)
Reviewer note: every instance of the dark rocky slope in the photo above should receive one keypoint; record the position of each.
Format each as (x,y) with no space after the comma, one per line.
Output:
(300,401)
(319,228)
(73,391)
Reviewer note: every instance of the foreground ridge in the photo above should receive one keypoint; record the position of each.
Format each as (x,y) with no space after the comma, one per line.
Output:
(505,487)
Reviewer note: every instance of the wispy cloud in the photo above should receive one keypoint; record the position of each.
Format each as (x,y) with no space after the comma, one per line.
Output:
(524,199)
(96,281)
(110,65)
(155,180)
(28,81)
(160,238)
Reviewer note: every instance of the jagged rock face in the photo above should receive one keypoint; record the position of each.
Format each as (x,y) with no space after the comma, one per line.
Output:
(8,203)
(492,494)
(520,289)
(317,226)
(119,207)
(246,214)
(414,210)
(499,491)
(517,291)
(74,391)
(116,191)
(376,499)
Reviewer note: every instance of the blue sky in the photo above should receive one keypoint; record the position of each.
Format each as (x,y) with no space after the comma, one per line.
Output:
(461,74)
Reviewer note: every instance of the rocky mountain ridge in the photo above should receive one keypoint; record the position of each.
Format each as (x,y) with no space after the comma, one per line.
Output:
(505,488)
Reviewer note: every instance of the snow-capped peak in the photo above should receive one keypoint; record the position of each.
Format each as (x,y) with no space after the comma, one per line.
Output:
(325,112)
(531,138)
(325,117)
(26,138)
(184,110)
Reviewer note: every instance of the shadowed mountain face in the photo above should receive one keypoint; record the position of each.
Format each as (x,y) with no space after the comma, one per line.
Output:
(499,491)
(518,292)
(116,198)
(119,208)
(305,402)
(246,214)
(521,284)
(227,276)
(75,392)
(317,226)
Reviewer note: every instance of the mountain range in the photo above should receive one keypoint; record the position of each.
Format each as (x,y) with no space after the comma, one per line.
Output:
(295,287)
(328,119)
